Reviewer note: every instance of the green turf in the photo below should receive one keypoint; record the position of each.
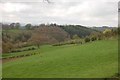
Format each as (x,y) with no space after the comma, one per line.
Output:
(92,60)
(37,50)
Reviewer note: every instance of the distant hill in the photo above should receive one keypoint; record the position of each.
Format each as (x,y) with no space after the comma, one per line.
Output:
(102,28)
(81,31)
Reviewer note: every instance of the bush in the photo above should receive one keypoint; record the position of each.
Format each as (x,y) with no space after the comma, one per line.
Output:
(93,38)
(21,50)
(99,38)
(68,42)
(87,39)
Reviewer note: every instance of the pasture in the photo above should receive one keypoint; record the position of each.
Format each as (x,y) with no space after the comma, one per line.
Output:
(97,59)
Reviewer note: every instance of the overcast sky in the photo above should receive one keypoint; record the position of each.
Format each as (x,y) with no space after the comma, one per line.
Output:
(83,12)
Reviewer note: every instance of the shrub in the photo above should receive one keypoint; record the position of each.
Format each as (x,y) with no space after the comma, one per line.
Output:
(107,33)
(93,38)
(87,39)
(68,42)
(99,38)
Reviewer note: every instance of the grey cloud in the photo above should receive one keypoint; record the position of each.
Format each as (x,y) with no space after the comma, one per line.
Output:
(85,12)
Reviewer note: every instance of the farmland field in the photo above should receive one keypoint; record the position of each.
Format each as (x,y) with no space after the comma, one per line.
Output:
(97,59)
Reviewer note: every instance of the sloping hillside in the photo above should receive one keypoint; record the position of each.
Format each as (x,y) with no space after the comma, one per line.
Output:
(81,31)
(93,60)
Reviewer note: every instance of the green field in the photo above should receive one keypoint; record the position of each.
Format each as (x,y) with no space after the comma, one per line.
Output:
(97,59)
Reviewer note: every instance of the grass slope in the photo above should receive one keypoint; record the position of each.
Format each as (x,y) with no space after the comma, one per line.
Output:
(92,60)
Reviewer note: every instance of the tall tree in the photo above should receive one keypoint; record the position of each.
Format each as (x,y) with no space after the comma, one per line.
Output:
(12,25)
(28,26)
(17,25)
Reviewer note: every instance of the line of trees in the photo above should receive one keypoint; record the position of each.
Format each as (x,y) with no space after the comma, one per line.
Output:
(106,34)
(13,38)
(16,36)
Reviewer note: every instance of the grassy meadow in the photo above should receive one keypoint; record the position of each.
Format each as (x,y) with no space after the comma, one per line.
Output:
(59,39)
(97,59)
